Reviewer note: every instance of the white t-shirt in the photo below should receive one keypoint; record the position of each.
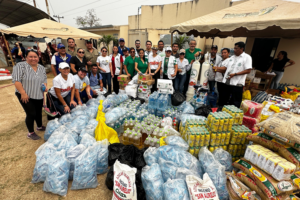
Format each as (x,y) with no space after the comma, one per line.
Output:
(161,53)
(148,53)
(184,65)
(53,60)
(154,61)
(65,86)
(237,64)
(219,76)
(104,63)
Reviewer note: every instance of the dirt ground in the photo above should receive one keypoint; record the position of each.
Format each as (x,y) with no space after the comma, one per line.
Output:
(17,158)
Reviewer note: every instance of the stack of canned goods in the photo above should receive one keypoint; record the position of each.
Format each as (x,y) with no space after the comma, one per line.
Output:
(197,137)
(236,114)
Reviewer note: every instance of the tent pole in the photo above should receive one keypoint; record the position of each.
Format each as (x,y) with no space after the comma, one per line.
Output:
(213,41)
(171,38)
(8,49)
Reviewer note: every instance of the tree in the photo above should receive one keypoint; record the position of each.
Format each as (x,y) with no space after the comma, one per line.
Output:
(106,40)
(181,40)
(89,20)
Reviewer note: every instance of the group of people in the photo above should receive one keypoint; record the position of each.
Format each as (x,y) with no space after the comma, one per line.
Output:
(80,72)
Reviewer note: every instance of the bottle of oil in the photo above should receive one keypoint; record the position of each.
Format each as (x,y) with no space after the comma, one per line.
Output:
(147,143)
(125,138)
(130,138)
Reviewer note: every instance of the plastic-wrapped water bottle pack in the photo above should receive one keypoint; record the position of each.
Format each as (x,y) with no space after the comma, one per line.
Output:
(51,127)
(92,102)
(113,100)
(65,118)
(92,111)
(72,154)
(89,129)
(224,158)
(79,123)
(56,137)
(67,143)
(168,169)
(177,142)
(43,154)
(79,107)
(85,175)
(150,156)
(88,140)
(102,160)
(77,112)
(175,190)
(57,174)
(153,182)
(205,158)
(115,114)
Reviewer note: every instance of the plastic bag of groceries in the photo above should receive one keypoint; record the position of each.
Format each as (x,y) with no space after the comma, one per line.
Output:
(168,169)
(78,123)
(224,158)
(88,140)
(89,129)
(85,175)
(182,173)
(65,118)
(205,158)
(67,143)
(43,154)
(181,158)
(150,156)
(57,174)
(175,190)
(72,154)
(102,158)
(153,182)
(216,172)
(178,142)
(124,182)
(51,127)
(56,137)
(201,189)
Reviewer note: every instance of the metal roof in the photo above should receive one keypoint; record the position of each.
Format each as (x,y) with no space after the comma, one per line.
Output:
(14,13)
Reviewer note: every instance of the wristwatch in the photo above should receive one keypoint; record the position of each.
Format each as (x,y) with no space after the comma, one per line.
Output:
(235,74)
(65,105)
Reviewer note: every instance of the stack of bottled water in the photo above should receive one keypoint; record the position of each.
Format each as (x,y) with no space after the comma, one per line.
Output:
(152,105)
(113,100)
(162,104)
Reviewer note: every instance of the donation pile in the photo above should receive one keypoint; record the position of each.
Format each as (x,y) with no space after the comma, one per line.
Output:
(252,114)
(165,86)
(123,81)
(145,83)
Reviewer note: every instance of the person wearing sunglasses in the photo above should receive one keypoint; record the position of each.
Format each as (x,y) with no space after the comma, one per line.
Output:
(28,78)
(154,65)
(61,57)
(169,65)
(129,63)
(104,64)
(183,67)
(78,61)
(117,65)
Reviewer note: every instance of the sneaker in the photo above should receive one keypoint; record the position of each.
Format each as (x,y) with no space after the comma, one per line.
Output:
(33,136)
(42,128)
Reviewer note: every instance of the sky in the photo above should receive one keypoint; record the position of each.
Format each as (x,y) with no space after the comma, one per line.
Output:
(113,12)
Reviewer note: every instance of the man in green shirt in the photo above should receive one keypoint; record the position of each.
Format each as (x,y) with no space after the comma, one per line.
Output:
(72,49)
(190,55)
(129,63)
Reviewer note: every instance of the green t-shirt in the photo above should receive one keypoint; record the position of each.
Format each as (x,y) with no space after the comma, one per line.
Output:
(142,66)
(166,65)
(189,55)
(130,63)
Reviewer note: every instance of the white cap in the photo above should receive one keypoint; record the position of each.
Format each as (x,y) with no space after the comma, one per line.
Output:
(63,65)
(168,49)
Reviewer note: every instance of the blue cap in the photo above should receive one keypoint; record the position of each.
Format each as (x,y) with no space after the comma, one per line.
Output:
(121,40)
(60,45)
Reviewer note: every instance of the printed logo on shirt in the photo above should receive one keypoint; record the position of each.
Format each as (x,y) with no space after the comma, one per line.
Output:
(66,90)
(83,86)
(154,63)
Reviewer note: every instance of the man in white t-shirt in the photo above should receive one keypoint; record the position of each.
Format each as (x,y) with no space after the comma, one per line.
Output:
(148,49)
(239,65)
(161,50)
(154,63)
(63,90)
(83,90)
(222,87)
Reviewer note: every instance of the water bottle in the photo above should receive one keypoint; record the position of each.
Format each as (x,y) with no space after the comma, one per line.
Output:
(43,87)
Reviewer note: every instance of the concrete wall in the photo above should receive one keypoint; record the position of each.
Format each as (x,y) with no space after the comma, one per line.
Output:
(123,33)
(224,42)
(292,47)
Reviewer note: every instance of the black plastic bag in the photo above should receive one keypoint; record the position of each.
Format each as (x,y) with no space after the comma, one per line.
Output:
(115,150)
(139,161)
(141,194)
(128,154)
(203,110)
(109,181)
(177,99)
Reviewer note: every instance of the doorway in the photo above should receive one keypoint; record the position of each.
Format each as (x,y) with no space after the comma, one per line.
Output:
(263,52)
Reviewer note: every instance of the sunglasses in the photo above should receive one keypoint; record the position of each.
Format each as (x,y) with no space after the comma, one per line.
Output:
(104,51)
(132,51)
(181,53)
(62,48)
(82,52)
(169,51)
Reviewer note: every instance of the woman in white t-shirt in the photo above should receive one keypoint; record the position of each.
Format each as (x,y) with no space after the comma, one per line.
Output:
(154,65)
(104,64)
(183,67)
(63,90)
(117,66)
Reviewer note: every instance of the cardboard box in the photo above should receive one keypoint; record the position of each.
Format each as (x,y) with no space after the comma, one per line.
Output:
(142,86)
(164,84)
(256,80)
(145,77)
(150,82)
(165,91)
(123,78)
(122,87)
(123,83)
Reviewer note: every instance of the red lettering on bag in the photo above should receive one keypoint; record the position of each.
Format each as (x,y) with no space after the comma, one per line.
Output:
(123,189)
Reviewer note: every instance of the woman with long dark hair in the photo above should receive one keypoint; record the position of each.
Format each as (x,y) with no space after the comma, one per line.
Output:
(141,63)
(117,65)
(28,77)
(78,61)
(278,66)
(129,63)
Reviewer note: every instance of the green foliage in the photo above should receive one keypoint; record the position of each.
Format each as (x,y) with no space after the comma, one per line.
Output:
(106,40)
(181,40)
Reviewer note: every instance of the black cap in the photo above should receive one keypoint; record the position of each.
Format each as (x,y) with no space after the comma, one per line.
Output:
(124,49)
(89,41)
(214,46)
(82,69)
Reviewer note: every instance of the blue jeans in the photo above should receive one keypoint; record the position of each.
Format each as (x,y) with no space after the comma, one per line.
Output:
(276,79)
(106,78)
(58,105)
(179,83)
(211,85)
(83,96)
